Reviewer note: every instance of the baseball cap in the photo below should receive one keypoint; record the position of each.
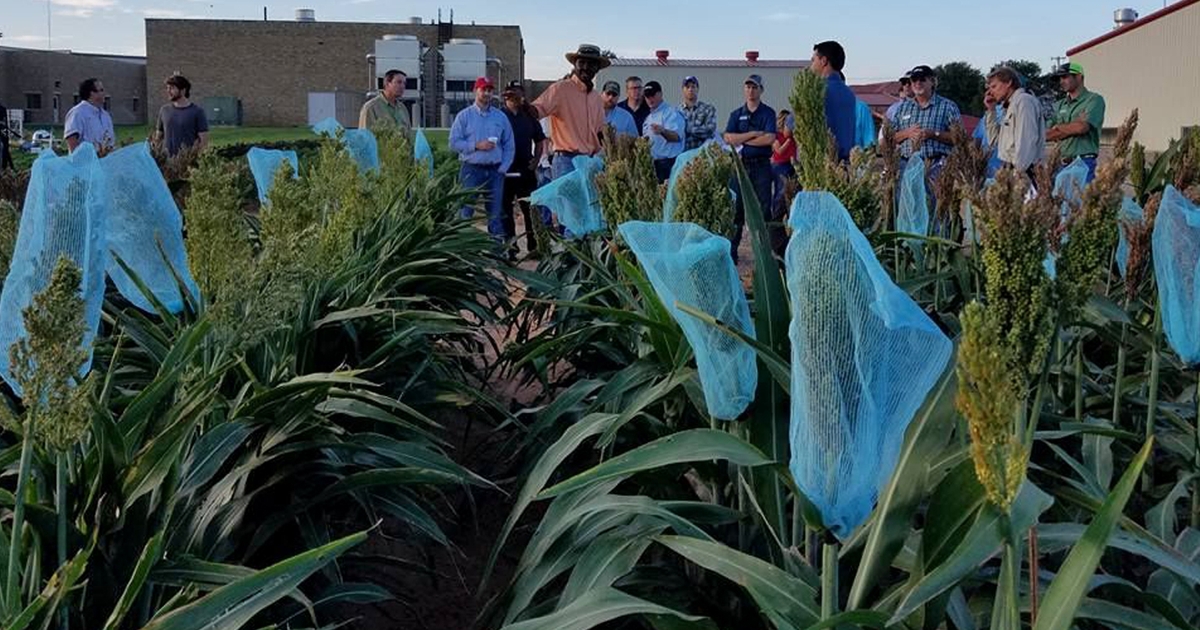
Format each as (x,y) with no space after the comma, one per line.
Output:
(756,80)
(513,87)
(611,87)
(920,72)
(905,79)
(484,82)
(652,89)
(1068,68)
(691,79)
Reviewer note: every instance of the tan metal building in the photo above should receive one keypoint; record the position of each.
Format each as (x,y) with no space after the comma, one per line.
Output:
(720,79)
(1152,64)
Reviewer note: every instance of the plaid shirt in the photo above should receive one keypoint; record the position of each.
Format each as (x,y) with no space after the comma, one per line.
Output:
(701,123)
(938,115)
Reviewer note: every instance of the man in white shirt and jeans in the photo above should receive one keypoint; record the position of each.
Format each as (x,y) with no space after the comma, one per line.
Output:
(1020,137)
(88,121)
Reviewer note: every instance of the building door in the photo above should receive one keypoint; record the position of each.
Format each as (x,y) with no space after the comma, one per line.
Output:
(57,100)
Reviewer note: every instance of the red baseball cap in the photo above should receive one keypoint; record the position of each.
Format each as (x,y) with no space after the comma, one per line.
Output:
(484,82)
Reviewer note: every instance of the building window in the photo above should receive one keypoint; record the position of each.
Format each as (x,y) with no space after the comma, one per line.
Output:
(107,103)
(134,107)
(411,83)
(460,86)
(33,100)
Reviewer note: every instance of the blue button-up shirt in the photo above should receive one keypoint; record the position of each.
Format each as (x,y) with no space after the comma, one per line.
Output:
(864,126)
(670,119)
(840,114)
(91,124)
(622,121)
(742,120)
(473,125)
(937,115)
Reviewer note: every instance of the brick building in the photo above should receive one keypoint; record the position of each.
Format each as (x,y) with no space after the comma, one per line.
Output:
(272,66)
(45,83)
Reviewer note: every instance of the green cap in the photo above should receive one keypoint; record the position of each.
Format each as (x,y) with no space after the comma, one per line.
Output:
(1069,68)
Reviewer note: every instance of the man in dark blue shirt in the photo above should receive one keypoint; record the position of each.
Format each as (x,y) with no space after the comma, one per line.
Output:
(635,102)
(751,131)
(828,59)
(521,178)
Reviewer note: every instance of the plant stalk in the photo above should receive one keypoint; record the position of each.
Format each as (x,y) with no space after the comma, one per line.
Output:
(60,507)
(1152,395)
(1121,357)
(1196,460)
(12,589)
(829,577)
(1079,377)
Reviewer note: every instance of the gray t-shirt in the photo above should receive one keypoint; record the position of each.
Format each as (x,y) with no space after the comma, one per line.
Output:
(181,126)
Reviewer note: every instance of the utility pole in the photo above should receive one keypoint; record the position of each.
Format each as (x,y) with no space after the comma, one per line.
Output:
(1057,61)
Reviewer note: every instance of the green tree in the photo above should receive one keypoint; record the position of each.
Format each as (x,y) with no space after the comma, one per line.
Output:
(962,83)
(1035,82)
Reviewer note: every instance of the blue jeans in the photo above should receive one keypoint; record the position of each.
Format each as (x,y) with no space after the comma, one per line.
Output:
(758,171)
(1091,164)
(489,181)
(560,164)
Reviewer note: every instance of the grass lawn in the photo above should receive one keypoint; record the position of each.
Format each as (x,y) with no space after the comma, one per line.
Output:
(218,136)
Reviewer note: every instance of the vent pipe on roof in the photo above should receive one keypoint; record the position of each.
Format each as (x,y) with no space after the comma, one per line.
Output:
(416,19)
(752,56)
(306,15)
(662,55)
(1124,17)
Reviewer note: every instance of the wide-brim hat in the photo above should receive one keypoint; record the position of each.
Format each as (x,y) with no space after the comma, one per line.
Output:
(589,51)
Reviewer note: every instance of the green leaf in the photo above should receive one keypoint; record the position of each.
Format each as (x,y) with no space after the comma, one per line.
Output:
(56,589)
(1160,520)
(926,436)
(1113,615)
(853,618)
(210,452)
(595,608)
(1066,591)
(770,417)
(607,559)
(685,446)
(787,601)
(777,366)
(981,543)
(133,589)
(232,606)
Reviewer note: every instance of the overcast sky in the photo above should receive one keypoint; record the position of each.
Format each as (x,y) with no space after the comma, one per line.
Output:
(882,39)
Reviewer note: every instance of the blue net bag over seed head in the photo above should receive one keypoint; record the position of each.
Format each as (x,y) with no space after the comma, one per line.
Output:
(422,151)
(264,165)
(1069,184)
(1176,252)
(65,215)
(689,265)
(1130,213)
(363,147)
(328,127)
(145,231)
(573,198)
(864,357)
(913,214)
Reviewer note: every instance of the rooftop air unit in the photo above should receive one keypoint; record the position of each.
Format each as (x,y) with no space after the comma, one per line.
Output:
(306,15)
(1124,17)
(403,53)
(464,60)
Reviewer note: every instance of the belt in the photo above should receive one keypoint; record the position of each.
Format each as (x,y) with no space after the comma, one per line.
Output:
(573,153)
(494,165)
(756,159)
(1085,156)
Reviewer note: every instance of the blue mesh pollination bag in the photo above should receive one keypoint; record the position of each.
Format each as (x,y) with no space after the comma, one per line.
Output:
(65,215)
(422,151)
(1176,251)
(1131,213)
(689,265)
(328,127)
(1069,184)
(264,165)
(363,147)
(913,214)
(681,162)
(573,198)
(864,357)
(145,231)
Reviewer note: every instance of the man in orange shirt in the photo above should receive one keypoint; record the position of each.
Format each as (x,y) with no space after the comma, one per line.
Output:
(575,109)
